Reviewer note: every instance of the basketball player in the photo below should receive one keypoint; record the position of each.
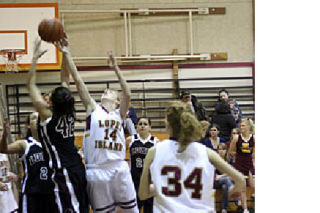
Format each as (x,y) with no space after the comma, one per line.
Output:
(37,188)
(181,169)
(139,144)
(109,181)
(56,133)
(242,148)
(7,201)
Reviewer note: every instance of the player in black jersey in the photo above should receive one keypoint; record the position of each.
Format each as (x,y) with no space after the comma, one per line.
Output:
(139,145)
(56,133)
(37,188)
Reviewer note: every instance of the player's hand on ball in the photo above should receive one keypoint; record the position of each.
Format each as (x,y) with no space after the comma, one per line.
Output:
(62,44)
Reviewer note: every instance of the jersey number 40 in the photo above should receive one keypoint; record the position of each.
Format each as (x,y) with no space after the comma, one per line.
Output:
(193,181)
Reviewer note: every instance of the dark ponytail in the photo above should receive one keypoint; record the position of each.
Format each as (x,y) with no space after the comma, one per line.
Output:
(62,102)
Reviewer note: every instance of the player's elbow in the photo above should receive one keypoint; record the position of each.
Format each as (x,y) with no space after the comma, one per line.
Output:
(142,195)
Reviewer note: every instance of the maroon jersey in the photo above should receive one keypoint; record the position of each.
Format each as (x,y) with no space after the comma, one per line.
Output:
(243,161)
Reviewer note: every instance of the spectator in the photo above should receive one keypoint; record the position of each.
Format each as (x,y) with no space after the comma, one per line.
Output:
(235,109)
(213,139)
(224,119)
(222,180)
(234,132)
(196,107)
(130,122)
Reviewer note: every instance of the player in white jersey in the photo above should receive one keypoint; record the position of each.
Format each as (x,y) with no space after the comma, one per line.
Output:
(7,201)
(109,181)
(179,173)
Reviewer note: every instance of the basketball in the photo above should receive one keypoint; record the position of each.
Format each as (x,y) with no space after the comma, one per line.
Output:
(51,30)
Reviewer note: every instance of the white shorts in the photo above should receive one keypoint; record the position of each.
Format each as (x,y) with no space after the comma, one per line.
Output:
(7,201)
(111,186)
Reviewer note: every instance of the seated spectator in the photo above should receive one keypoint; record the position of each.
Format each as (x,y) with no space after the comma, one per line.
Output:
(213,139)
(196,106)
(222,180)
(234,106)
(224,119)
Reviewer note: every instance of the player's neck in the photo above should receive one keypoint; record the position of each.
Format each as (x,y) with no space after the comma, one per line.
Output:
(108,105)
(34,134)
(144,135)
(245,135)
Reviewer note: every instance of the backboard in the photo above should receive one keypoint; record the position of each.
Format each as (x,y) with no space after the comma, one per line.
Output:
(19,29)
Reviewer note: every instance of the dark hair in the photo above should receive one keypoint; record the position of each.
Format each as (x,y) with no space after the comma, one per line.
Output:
(223,90)
(62,101)
(149,121)
(211,126)
(184,93)
(223,107)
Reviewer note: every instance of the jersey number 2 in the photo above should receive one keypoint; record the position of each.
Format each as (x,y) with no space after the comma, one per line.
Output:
(193,181)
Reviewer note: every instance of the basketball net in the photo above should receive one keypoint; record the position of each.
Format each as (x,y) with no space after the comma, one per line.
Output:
(11,60)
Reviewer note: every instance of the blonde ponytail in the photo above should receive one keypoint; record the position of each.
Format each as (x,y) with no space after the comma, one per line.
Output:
(184,125)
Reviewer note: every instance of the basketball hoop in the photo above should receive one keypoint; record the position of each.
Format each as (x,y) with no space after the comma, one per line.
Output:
(11,59)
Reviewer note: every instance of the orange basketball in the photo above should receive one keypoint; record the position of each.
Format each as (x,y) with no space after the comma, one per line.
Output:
(51,30)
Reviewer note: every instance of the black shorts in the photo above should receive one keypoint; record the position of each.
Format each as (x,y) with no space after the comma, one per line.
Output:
(72,196)
(37,203)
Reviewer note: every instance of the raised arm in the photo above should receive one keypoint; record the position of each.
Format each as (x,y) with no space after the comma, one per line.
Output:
(39,104)
(64,73)
(126,94)
(17,147)
(146,189)
(85,97)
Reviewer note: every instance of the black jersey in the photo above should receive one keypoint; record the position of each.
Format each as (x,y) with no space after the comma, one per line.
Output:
(37,175)
(57,138)
(138,151)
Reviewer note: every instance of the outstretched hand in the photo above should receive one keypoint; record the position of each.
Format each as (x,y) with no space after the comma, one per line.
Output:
(37,52)
(62,44)
(112,60)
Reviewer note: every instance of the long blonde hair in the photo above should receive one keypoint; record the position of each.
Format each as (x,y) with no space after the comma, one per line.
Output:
(184,125)
(250,123)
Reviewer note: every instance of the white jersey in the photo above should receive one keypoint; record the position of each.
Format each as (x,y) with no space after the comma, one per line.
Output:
(104,139)
(183,181)
(7,201)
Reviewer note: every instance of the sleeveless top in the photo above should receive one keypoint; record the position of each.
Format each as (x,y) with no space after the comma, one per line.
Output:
(138,151)
(104,139)
(243,161)
(56,135)
(37,175)
(181,179)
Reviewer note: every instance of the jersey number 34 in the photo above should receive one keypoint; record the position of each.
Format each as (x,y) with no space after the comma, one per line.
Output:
(193,181)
